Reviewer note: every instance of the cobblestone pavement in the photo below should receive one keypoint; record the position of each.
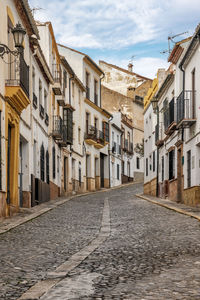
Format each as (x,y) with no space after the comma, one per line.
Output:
(151,253)
(30,250)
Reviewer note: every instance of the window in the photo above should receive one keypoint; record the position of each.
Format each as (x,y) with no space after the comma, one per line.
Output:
(118,171)
(42,163)
(95,123)
(54,162)
(72,89)
(47,166)
(40,92)
(64,81)
(171,164)
(122,167)
(87,86)
(87,122)
(105,127)
(163,165)
(79,173)
(146,166)
(33,79)
(79,97)
(68,124)
(45,101)
(154,161)
(189,168)
(58,164)
(138,162)
(95,92)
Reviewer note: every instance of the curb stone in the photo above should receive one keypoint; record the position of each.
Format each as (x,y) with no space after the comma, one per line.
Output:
(178,210)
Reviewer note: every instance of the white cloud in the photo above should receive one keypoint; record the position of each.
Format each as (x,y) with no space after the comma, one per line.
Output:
(145,66)
(115,24)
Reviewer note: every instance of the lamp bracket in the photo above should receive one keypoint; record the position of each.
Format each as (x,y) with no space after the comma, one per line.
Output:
(5,50)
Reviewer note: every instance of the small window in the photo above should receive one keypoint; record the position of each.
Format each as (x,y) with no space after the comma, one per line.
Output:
(40,92)
(45,101)
(72,89)
(79,97)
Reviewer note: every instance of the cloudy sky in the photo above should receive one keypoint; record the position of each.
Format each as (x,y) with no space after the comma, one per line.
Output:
(120,31)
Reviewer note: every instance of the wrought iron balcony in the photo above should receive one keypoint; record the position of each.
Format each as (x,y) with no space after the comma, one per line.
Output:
(57,131)
(170,117)
(186,109)
(57,77)
(159,139)
(91,133)
(41,111)
(34,100)
(18,74)
(87,92)
(125,146)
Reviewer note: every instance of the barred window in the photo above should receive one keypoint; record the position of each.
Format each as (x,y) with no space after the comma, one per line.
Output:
(42,162)
(54,162)
(47,166)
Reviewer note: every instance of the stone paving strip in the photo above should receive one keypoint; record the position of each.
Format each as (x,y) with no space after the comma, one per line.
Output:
(52,278)
(36,211)
(177,207)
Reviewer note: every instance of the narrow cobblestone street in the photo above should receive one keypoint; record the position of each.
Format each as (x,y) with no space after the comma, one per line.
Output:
(143,251)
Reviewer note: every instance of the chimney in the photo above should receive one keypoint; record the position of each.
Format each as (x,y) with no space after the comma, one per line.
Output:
(130,67)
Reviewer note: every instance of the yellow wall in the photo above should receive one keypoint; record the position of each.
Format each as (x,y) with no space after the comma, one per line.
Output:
(151,92)
(12,119)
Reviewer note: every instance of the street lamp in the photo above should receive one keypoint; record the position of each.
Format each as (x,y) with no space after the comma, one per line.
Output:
(154,102)
(18,35)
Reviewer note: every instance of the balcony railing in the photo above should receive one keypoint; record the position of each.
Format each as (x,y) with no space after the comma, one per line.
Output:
(91,133)
(159,140)
(87,92)
(41,111)
(126,120)
(18,74)
(57,130)
(95,135)
(34,100)
(56,73)
(170,117)
(100,137)
(186,109)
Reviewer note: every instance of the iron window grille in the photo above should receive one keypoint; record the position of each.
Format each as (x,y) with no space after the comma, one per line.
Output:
(42,163)
(47,166)
(54,162)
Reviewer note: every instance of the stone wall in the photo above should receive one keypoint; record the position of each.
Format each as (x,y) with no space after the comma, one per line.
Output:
(191,196)
(54,191)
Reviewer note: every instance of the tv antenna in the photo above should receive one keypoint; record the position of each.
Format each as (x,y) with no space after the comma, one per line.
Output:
(171,40)
(132,59)
(34,9)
